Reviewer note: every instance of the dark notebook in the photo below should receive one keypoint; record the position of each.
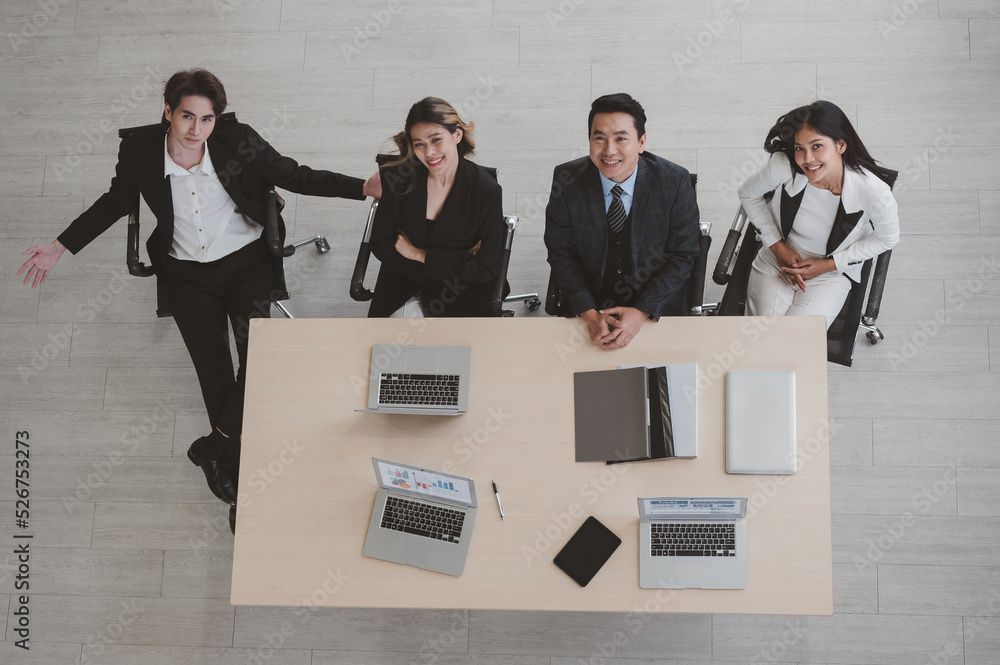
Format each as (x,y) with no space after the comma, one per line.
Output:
(623,415)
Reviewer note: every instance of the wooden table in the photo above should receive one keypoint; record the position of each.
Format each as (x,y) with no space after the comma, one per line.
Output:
(307,486)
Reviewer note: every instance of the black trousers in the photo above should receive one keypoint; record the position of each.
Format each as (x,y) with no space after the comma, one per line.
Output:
(206,299)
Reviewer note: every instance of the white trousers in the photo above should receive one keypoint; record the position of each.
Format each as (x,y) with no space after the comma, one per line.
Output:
(768,294)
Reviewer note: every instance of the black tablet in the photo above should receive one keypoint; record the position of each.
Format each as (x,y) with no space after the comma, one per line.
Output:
(589,548)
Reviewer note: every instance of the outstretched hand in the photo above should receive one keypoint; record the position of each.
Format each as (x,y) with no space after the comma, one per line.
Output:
(42,259)
(373,186)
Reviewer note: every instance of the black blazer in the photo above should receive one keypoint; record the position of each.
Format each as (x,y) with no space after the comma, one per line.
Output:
(247,167)
(451,281)
(664,241)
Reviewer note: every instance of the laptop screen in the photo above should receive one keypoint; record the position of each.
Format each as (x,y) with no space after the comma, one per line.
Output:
(423,482)
(691,507)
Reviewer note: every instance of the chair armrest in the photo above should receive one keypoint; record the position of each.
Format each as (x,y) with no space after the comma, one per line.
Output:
(877,287)
(721,276)
(496,293)
(696,295)
(358,290)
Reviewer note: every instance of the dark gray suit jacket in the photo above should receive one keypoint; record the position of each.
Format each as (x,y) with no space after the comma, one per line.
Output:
(664,241)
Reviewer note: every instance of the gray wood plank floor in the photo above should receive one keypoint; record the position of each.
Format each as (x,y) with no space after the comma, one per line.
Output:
(132,554)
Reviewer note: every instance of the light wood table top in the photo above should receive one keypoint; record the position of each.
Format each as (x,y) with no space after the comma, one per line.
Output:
(307,486)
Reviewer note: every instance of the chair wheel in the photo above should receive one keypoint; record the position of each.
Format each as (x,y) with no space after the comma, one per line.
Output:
(532,304)
(874,336)
(322,246)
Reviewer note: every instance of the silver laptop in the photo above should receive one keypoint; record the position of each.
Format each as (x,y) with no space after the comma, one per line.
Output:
(760,422)
(422,518)
(426,380)
(693,543)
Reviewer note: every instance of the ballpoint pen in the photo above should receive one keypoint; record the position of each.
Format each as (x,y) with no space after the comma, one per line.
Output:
(497,495)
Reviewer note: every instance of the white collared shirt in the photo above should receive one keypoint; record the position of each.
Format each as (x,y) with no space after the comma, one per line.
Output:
(628,189)
(207,225)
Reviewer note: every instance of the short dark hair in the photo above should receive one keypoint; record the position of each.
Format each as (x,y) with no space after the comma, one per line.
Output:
(197,82)
(827,119)
(619,102)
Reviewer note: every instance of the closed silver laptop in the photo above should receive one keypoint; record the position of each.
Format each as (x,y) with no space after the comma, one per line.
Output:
(692,543)
(422,518)
(424,380)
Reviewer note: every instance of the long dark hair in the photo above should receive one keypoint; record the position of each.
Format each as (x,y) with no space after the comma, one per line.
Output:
(827,119)
(435,111)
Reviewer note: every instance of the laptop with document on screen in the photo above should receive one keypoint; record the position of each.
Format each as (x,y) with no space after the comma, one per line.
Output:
(692,543)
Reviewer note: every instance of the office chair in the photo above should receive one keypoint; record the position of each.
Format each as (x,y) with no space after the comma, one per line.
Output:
(498,299)
(743,243)
(274,204)
(694,285)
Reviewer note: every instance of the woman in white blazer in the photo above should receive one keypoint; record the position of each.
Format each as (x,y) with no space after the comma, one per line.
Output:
(821,210)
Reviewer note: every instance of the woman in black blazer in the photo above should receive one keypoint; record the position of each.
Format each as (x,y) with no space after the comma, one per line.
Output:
(439,228)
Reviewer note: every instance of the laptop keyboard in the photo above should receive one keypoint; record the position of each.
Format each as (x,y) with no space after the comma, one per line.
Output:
(692,539)
(418,389)
(422,519)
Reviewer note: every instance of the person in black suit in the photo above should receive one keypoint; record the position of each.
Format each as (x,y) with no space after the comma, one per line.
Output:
(438,231)
(205,182)
(621,227)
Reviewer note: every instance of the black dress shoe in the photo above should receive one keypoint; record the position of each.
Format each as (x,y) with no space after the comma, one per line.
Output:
(232,518)
(216,471)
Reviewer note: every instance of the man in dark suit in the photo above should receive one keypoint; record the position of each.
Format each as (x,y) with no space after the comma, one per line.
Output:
(621,227)
(205,182)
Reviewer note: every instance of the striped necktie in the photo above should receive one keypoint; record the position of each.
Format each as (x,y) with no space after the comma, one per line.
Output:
(616,211)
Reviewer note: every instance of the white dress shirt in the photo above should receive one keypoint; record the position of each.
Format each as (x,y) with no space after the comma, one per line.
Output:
(207,224)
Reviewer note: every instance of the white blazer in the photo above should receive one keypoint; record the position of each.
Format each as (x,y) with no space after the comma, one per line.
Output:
(867,220)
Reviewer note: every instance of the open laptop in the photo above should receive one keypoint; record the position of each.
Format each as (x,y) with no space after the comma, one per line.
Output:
(422,518)
(426,380)
(693,543)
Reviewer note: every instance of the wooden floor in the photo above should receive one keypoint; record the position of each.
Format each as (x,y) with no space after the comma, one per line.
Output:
(131,555)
